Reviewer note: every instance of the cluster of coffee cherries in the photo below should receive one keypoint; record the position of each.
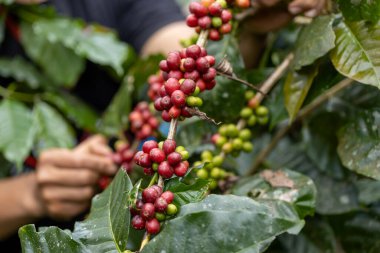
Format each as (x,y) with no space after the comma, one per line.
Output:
(143,122)
(124,155)
(186,74)
(155,83)
(211,15)
(153,206)
(164,157)
(254,113)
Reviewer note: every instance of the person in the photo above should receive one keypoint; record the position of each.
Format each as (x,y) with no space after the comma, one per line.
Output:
(65,180)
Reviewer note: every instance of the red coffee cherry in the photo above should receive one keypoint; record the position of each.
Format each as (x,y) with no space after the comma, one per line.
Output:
(168,196)
(174,158)
(160,204)
(149,145)
(138,222)
(188,86)
(181,169)
(157,155)
(152,226)
(178,99)
(148,211)
(165,170)
(149,195)
(169,146)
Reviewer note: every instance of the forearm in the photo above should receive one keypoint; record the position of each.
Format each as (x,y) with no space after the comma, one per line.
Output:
(20,203)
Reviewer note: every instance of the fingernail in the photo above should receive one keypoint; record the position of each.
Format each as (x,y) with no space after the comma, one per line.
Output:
(311,13)
(294,10)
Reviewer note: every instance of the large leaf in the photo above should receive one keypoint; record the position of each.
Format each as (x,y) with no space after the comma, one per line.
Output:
(360,9)
(115,118)
(61,64)
(314,41)
(21,71)
(50,240)
(285,185)
(225,224)
(107,227)
(359,144)
(81,114)
(53,130)
(355,54)
(296,88)
(16,131)
(369,191)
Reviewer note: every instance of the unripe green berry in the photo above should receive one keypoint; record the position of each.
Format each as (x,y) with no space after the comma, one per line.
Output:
(223,173)
(232,130)
(185,155)
(246,112)
(263,120)
(179,149)
(218,160)
(223,129)
(245,134)
(221,141)
(160,216)
(249,94)
(252,120)
(262,111)
(155,166)
(209,166)
(222,3)
(191,101)
(237,144)
(215,173)
(171,209)
(213,185)
(197,163)
(196,91)
(206,156)
(199,102)
(194,39)
(227,147)
(216,22)
(247,146)
(202,174)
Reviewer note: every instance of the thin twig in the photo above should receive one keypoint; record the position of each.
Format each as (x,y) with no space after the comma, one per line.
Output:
(172,129)
(233,77)
(202,39)
(300,116)
(145,240)
(202,115)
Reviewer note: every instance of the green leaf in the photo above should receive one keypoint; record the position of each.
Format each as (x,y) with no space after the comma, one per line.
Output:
(115,118)
(314,41)
(61,64)
(355,54)
(285,185)
(225,224)
(50,240)
(107,227)
(21,71)
(16,131)
(187,193)
(5,167)
(133,194)
(360,9)
(359,144)
(81,114)
(296,88)
(369,191)
(53,130)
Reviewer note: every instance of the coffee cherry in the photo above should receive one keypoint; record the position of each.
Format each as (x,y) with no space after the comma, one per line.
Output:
(144,160)
(263,120)
(243,3)
(252,120)
(178,98)
(147,211)
(191,21)
(157,188)
(168,196)
(193,51)
(165,116)
(185,155)
(209,75)
(188,64)
(226,16)
(210,85)
(217,161)
(169,146)
(202,64)
(216,22)
(227,147)
(206,156)
(149,145)
(202,174)
(213,185)
(193,75)
(247,146)
(149,195)
(215,173)
(214,35)
(181,169)
(160,204)
(157,155)
(185,112)
(237,144)
(171,85)
(160,216)
(215,9)
(164,66)
(225,28)
(262,111)
(166,102)
(171,209)
(165,170)
(138,222)
(174,158)
(232,130)
(198,9)
(210,59)
(175,112)
(245,134)
(173,60)
(188,86)
(148,171)
(152,226)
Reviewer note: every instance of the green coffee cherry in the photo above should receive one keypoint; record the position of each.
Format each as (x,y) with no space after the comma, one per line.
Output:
(223,130)
(179,149)
(222,173)
(197,163)
(232,130)
(192,101)
(245,134)
(263,120)
(237,144)
(202,174)
(215,173)
(213,185)
(185,155)
(160,216)
(252,120)
(196,91)
(155,166)
(262,111)
(209,166)
(171,209)
(216,22)
(249,94)
(222,3)
(246,112)
(221,141)
(206,156)
(227,147)
(199,102)
(247,146)
(218,160)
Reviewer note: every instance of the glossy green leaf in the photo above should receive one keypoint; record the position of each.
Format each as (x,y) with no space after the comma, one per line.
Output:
(115,118)
(21,71)
(314,41)
(355,54)
(369,191)
(284,185)
(296,88)
(360,9)
(17,132)
(61,64)
(359,144)
(107,227)
(77,111)
(187,193)
(225,224)
(49,240)
(133,194)
(53,130)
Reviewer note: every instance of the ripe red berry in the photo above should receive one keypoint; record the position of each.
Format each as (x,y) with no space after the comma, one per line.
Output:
(198,9)
(165,116)
(193,75)
(209,75)
(225,28)
(214,35)
(174,112)
(201,85)
(168,196)
(202,64)
(169,146)
(149,145)
(188,64)
(152,226)
(145,131)
(165,170)
(149,171)
(172,85)
(188,86)
(128,155)
(177,74)
(204,22)
(166,102)
(153,122)
(173,60)
(210,59)
(149,195)
(192,20)
(174,158)
(160,204)
(157,188)
(178,99)
(185,112)
(137,156)
(215,9)
(226,16)
(144,160)
(210,85)
(138,222)
(157,155)
(181,169)
(193,51)
(164,66)
(117,158)
(148,211)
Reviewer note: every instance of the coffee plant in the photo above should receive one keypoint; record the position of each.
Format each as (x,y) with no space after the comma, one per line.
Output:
(281,158)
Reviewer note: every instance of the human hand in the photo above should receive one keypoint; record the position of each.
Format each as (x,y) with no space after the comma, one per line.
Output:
(67,179)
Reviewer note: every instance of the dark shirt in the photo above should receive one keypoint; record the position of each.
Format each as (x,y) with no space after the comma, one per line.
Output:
(134,20)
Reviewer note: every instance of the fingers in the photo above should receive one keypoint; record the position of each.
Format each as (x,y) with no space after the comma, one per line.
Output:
(66,176)
(268,3)
(66,210)
(311,8)
(95,142)
(67,194)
